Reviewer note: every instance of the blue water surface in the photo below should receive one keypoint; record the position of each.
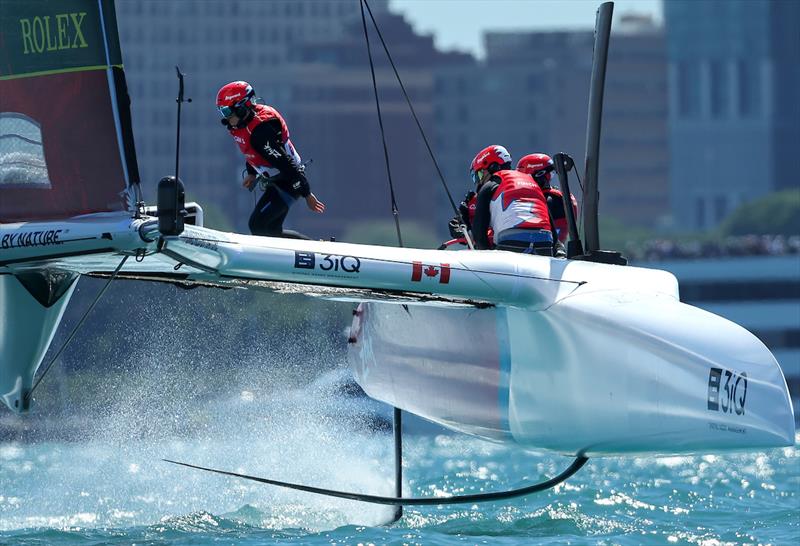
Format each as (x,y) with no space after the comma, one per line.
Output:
(89,493)
(109,485)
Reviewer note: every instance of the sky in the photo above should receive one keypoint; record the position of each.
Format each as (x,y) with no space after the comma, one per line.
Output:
(459,24)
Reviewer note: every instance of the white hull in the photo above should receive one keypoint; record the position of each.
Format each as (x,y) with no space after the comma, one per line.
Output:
(571,356)
(596,375)
(27,327)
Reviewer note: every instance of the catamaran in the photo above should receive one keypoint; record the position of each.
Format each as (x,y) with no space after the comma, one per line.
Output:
(584,356)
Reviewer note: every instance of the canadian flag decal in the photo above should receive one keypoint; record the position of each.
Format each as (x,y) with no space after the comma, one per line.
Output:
(421,270)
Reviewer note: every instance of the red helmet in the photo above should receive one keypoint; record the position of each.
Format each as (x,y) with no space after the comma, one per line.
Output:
(489,160)
(234,98)
(539,166)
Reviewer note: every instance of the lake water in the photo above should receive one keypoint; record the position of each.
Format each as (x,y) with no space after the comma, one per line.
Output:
(110,486)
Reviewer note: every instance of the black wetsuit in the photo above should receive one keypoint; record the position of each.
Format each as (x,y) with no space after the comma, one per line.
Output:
(283,189)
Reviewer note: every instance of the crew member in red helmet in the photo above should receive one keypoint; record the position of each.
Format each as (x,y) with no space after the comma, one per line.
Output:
(263,137)
(540,167)
(511,203)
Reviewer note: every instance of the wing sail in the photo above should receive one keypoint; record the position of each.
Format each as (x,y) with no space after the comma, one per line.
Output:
(66,144)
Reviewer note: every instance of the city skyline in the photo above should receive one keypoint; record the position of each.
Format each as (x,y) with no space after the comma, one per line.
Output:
(461,26)
(316,59)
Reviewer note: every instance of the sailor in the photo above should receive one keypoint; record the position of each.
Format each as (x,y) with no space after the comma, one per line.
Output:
(263,137)
(511,203)
(540,167)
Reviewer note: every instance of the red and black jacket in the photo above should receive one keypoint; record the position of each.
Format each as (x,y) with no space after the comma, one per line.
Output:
(264,142)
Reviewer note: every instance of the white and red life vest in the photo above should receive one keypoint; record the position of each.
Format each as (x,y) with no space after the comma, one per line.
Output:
(518,203)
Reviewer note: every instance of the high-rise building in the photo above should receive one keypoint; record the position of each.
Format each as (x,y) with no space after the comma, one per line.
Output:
(214,42)
(308,59)
(333,110)
(634,153)
(734,123)
(531,95)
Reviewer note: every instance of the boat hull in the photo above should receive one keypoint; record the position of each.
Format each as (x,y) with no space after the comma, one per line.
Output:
(567,355)
(27,326)
(597,373)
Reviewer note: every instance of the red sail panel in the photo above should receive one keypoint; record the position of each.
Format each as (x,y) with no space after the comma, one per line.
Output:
(78,144)
(65,143)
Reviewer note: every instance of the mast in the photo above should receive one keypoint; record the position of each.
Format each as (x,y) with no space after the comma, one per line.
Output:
(591,194)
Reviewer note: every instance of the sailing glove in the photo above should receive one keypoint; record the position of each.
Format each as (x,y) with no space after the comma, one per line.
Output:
(455,228)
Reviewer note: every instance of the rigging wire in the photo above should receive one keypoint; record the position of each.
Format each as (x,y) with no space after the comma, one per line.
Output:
(397,414)
(364,3)
(29,394)
(380,120)
(410,106)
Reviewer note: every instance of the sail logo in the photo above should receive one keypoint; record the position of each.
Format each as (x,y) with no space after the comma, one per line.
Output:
(735,387)
(63,31)
(31,238)
(420,271)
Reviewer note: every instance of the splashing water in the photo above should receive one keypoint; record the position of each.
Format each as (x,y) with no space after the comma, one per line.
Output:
(114,475)
(60,492)
(267,413)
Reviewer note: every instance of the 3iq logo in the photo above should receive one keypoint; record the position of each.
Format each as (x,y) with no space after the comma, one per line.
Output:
(733,384)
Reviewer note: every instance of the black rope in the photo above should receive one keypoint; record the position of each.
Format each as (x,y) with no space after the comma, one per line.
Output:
(412,501)
(583,195)
(380,122)
(410,106)
(397,416)
(75,329)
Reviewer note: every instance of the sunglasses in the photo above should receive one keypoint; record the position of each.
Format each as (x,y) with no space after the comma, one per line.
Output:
(235,108)
(477,176)
(225,111)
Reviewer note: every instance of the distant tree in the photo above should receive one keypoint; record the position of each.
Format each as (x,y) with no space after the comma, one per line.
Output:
(615,234)
(776,214)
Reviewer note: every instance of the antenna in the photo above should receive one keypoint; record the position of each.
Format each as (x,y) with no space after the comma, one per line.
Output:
(180,101)
(171,193)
